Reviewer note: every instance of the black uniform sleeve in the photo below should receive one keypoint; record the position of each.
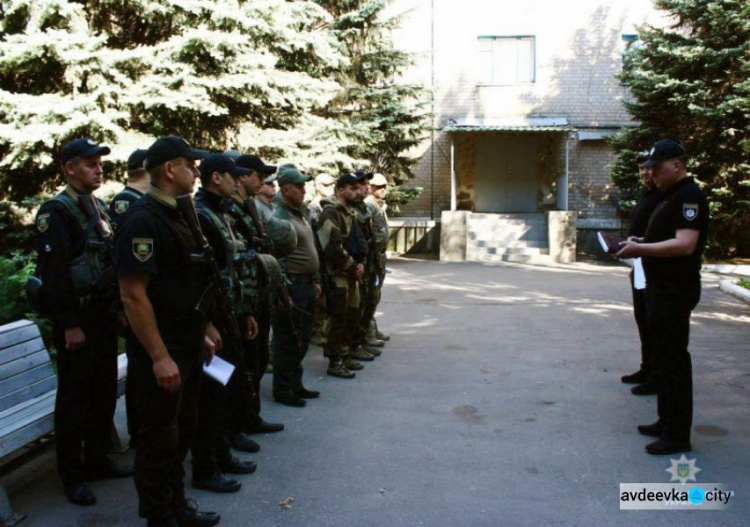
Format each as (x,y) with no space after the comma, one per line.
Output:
(54,235)
(691,211)
(136,247)
(119,204)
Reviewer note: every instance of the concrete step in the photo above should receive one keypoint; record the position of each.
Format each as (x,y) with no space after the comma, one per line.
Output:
(514,258)
(479,252)
(485,244)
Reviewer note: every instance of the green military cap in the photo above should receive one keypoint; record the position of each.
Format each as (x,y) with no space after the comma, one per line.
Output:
(291,175)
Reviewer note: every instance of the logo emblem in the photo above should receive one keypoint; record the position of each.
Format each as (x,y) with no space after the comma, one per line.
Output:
(683,469)
(690,211)
(121,205)
(42,222)
(143,248)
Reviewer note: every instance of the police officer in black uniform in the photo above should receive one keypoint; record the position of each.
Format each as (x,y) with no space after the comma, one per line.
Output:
(645,377)
(136,186)
(74,244)
(671,251)
(161,287)
(212,458)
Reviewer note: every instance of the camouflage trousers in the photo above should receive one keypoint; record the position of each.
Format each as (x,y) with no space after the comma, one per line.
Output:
(372,284)
(342,313)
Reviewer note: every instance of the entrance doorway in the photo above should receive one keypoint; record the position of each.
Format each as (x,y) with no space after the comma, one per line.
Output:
(506,174)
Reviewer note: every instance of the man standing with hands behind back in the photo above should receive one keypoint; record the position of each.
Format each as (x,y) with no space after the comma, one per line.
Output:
(671,252)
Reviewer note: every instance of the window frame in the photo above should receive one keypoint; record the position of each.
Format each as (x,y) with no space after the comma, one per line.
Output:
(493,39)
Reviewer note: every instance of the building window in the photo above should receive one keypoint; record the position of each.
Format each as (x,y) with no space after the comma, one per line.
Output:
(506,60)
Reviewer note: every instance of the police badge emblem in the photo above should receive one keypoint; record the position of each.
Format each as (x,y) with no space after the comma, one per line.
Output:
(683,470)
(690,211)
(121,205)
(143,248)
(42,222)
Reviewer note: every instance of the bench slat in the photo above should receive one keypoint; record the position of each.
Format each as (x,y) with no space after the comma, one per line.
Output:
(23,436)
(20,350)
(16,325)
(13,416)
(23,364)
(11,338)
(29,391)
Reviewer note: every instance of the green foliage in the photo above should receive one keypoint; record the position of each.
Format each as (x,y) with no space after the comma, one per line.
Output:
(386,117)
(743,283)
(690,82)
(14,271)
(16,219)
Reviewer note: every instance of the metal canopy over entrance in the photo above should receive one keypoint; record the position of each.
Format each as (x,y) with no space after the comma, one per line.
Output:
(505,167)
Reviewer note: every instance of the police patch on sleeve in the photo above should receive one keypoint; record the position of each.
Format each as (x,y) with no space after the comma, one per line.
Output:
(42,222)
(143,248)
(690,211)
(121,205)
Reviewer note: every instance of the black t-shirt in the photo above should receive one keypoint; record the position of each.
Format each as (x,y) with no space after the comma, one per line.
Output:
(684,207)
(153,239)
(642,212)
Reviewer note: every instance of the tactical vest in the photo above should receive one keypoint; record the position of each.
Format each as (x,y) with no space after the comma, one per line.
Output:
(241,273)
(92,272)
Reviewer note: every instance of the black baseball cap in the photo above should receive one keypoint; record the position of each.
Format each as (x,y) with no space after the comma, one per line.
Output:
(255,163)
(221,163)
(82,147)
(364,175)
(136,160)
(169,148)
(663,150)
(350,179)
(642,157)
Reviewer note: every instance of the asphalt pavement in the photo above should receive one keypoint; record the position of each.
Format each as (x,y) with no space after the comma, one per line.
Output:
(497,401)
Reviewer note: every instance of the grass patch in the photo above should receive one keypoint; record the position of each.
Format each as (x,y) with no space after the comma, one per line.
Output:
(743,283)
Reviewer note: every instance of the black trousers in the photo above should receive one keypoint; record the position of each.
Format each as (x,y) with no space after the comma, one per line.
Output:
(242,415)
(167,427)
(669,308)
(131,402)
(86,398)
(210,445)
(291,339)
(640,312)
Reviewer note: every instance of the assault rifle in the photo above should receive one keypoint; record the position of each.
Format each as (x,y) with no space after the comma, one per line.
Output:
(228,317)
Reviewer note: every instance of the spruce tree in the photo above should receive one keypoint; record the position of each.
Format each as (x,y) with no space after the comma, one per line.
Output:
(127,71)
(385,117)
(689,82)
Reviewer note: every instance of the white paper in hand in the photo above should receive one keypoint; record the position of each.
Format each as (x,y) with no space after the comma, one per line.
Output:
(219,370)
(639,276)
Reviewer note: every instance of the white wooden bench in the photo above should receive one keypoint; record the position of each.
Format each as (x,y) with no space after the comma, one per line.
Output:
(28,385)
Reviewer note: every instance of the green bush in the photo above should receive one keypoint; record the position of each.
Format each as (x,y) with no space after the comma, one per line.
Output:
(14,271)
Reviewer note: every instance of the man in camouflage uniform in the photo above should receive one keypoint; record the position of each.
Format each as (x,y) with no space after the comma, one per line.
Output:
(240,214)
(342,262)
(363,217)
(324,188)
(377,206)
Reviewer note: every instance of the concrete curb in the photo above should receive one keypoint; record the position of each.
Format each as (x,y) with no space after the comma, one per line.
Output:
(743,270)
(735,290)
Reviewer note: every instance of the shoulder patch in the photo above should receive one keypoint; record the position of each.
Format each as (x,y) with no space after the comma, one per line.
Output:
(42,222)
(690,211)
(121,205)
(143,248)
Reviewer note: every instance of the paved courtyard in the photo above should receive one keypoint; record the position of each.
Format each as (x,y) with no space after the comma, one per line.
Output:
(496,402)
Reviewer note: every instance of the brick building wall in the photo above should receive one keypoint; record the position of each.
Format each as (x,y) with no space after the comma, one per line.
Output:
(578,48)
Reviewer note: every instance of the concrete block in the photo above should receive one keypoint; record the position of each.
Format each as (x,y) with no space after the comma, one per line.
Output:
(562,235)
(453,235)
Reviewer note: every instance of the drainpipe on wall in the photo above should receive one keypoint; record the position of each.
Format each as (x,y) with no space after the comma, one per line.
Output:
(454,183)
(432,112)
(566,181)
